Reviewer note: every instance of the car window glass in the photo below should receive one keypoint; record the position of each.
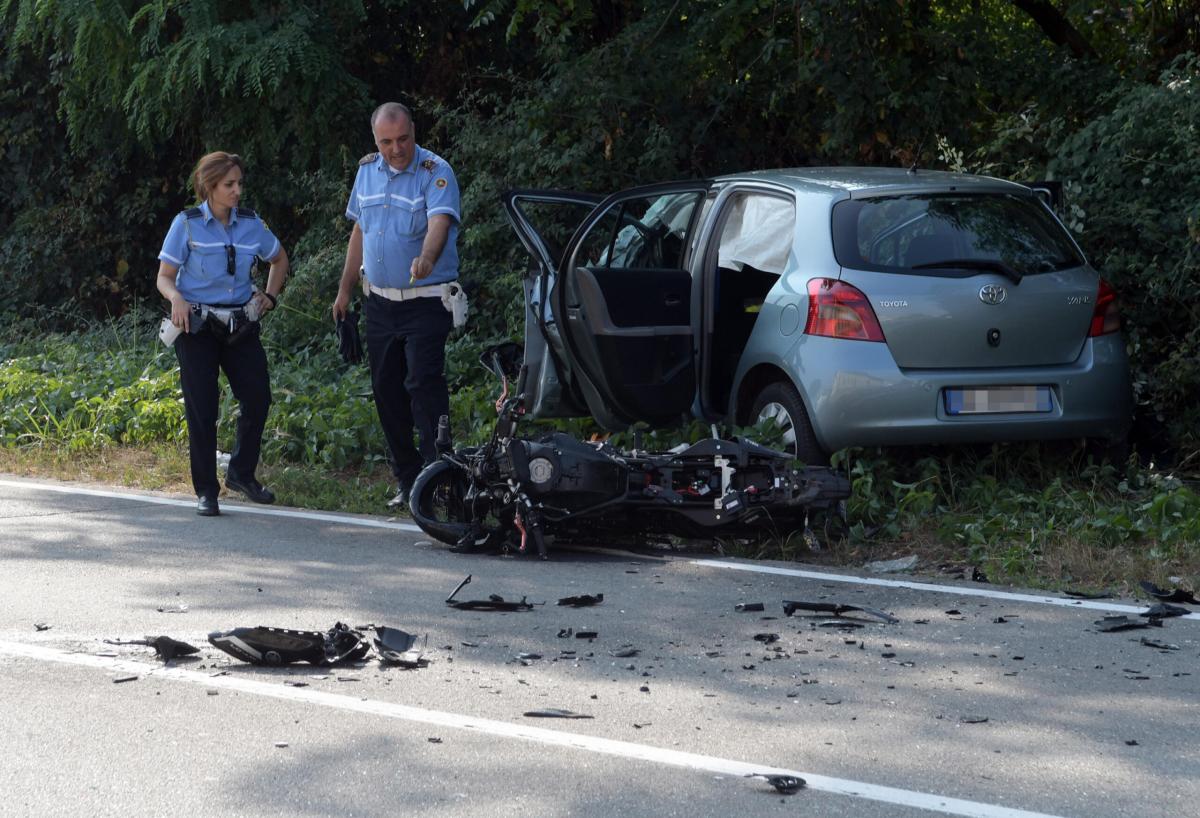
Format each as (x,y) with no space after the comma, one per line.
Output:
(757,232)
(554,222)
(644,233)
(903,233)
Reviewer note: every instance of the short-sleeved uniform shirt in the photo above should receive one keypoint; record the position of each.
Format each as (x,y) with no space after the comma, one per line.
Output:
(392,208)
(196,244)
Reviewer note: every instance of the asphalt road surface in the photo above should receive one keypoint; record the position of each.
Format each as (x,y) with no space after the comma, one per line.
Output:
(980,701)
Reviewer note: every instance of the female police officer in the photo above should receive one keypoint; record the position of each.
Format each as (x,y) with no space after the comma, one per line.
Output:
(204,272)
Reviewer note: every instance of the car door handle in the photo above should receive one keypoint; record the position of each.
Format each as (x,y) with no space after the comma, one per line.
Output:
(672,301)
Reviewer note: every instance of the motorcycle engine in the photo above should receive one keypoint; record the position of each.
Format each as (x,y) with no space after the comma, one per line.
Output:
(566,473)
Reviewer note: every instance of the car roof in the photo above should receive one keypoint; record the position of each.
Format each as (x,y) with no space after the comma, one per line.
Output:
(859,180)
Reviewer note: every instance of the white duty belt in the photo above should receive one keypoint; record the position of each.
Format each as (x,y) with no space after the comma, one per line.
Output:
(403,293)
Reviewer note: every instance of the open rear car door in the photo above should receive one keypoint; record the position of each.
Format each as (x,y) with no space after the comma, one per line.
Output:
(623,297)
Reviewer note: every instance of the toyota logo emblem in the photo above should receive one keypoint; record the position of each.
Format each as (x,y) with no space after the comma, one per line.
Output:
(992,294)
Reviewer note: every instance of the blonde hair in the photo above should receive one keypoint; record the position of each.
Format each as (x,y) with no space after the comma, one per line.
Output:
(211,169)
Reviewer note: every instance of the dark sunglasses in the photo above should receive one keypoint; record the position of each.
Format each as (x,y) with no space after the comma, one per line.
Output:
(230,259)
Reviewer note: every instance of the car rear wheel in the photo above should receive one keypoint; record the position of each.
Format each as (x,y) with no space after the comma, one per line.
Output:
(779,408)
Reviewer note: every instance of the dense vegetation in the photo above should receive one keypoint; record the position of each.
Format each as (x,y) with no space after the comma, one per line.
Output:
(104,106)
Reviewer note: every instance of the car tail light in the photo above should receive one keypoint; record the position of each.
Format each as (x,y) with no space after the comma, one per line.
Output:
(1105,318)
(838,310)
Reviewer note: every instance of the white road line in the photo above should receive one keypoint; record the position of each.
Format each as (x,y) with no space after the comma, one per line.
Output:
(556,738)
(364,522)
(954,590)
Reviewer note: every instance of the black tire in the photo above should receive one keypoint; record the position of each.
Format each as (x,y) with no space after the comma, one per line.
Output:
(781,402)
(436,502)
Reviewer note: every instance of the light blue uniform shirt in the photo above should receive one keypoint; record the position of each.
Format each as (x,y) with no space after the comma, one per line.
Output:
(196,244)
(392,208)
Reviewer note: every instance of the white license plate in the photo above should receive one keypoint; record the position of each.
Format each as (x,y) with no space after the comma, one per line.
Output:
(998,400)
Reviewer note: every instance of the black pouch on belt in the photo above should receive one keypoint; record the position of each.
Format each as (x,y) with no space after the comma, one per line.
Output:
(240,328)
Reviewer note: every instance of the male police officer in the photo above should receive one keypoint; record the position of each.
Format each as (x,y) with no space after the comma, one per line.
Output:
(405,209)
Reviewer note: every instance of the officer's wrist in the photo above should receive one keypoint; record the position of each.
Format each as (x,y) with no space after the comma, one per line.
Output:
(272,298)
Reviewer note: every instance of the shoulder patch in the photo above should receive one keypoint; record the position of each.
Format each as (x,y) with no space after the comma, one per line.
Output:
(369,158)
(193,213)
(247,213)
(440,183)
(429,165)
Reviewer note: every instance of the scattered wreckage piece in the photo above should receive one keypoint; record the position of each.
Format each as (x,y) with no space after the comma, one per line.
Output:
(1173,595)
(556,713)
(281,646)
(397,647)
(1113,624)
(494,602)
(582,601)
(42,626)
(1078,593)
(165,647)
(783,784)
(1164,611)
(747,607)
(790,606)
(1154,643)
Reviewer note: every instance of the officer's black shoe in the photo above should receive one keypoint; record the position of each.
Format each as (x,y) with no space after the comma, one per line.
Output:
(207,506)
(253,490)
(400,501)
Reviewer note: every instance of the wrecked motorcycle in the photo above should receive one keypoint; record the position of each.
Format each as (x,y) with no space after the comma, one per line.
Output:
(514,491)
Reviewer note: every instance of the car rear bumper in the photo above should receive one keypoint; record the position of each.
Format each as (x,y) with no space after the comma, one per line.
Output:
(877,403)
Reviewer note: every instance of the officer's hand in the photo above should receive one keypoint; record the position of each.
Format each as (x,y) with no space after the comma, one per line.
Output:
(341,305)
(181,311)
(421,267)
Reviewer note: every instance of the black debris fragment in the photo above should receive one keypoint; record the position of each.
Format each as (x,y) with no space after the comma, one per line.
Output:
(1082,594)
(41,626)
(973,718)
(397,647)
(494,602)
(565,633)
(1154,643)
(1112,624)
(164,646)
(120,679)
(281,646)
(745,607)
(783,784)
(953,612)
(1164,611)
(766,638)
(624,652)
(556,713)
(586,634)
(1173,595)
(836,608)
(1132,743)
(434,740)
(581,601)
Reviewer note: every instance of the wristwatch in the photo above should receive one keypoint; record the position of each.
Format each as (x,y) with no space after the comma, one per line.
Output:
(273,299)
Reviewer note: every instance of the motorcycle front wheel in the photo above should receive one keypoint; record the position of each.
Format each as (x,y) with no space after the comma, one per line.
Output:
(438,503)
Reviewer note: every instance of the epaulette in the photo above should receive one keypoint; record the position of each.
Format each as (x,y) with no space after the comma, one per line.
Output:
(246,213)
(193,213)
(368,159)
(429,165)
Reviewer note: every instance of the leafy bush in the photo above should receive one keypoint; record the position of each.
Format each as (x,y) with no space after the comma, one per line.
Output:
(1135,185)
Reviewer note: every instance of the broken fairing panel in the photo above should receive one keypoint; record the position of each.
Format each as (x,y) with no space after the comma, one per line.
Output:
(280,646)
(837,609)
(494,602)
(514,493)
(397,647)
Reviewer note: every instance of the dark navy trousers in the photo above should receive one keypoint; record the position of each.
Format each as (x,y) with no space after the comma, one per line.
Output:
(406,350)
(201,357)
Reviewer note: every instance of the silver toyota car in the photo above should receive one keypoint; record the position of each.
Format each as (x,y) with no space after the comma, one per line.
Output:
(852,306)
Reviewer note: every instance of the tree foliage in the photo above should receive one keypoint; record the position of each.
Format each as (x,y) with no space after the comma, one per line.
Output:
(105,106)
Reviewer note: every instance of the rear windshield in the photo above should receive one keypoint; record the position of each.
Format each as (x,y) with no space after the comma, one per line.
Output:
(928,233)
